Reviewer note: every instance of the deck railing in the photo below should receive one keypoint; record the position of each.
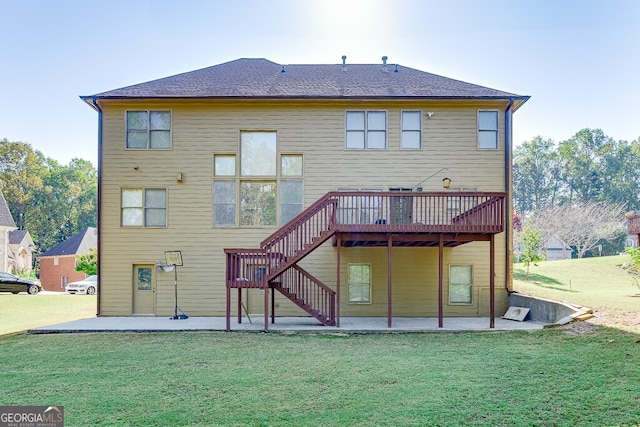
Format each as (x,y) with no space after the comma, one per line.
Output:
(364,211)
(301,235)
(633,225)
(468,212)
(309,293)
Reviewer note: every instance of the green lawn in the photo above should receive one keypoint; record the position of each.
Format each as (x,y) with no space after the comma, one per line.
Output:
(559,377)
(21,312)
(549,377)
(593,282)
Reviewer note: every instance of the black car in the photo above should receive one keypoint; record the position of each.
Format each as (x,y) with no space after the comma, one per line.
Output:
(15,285)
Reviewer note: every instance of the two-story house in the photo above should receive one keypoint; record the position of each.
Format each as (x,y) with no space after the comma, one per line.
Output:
(307,190)
(16,245)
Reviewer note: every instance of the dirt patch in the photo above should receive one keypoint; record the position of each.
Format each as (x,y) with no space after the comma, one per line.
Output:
(628,321)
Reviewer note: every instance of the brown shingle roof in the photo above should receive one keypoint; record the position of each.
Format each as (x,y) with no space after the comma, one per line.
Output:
(77,244)
(261,78)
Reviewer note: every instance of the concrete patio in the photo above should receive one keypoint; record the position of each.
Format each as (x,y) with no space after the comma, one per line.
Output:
(286,325)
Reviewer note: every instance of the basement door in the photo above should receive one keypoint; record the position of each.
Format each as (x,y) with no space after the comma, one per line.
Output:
(254,298)
(144,290)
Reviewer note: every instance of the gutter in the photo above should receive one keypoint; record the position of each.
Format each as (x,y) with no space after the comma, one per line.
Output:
(508,147)
(94,104)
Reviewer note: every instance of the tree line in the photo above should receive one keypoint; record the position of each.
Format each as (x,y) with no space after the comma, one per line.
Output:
(50,200)
(579,189)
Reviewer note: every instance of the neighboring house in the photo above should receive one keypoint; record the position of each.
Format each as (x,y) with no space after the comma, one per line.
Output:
(331,175)
(633,229)
(58,264)
(555,249)
(22,247)
(16,246)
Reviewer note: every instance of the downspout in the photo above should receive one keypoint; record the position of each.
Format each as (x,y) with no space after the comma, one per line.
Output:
(99,110)
(508,187)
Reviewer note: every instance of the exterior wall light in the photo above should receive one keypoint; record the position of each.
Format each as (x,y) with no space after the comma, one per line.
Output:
(446,183)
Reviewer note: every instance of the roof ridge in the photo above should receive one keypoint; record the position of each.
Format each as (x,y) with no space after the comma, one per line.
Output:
(262,78)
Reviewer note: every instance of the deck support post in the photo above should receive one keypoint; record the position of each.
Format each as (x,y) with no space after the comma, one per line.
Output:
(492,282)
(389,292)
(273,305)
(338,282)
(440,275)
(228,310)
(239,305)
(266,309)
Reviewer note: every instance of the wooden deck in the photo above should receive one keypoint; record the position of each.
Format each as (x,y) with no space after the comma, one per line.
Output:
(352,219)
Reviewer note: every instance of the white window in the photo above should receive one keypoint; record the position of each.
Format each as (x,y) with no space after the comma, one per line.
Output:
(488,130)
(149,130)
(411,130)
(360,283)
(366,130)
(144,207)
(460,284)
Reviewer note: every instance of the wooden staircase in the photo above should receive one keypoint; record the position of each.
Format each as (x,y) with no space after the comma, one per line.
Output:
(278,256)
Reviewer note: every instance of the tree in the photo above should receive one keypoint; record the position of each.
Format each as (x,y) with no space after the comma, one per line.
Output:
(516,221)
(88,262)
(21,171)
(532,242)
(633,266)
(582,225)
(583,168)
(52,201)
(536,175)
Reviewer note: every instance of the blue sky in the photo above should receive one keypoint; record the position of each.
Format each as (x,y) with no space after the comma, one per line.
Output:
(579,60)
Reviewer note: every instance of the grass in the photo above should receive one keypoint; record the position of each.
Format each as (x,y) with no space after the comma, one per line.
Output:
(592,282)
(549,377)
(560,377)
(21,312)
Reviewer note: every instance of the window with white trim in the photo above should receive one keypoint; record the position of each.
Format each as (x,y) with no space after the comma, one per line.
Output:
(366,130)
(411,130)
(149,130)
(460,284)
(360,283)
(488,130)
(144,207)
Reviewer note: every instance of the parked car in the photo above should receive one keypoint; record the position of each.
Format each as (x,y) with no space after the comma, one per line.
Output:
(88,285)
(14,284)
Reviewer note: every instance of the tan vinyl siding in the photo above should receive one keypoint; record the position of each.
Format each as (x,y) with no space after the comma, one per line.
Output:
(316,130)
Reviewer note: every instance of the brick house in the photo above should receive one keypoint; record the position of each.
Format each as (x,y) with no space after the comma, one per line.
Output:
(58,264)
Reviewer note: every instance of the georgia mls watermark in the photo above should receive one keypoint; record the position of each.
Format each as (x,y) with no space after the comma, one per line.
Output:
(31,416)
